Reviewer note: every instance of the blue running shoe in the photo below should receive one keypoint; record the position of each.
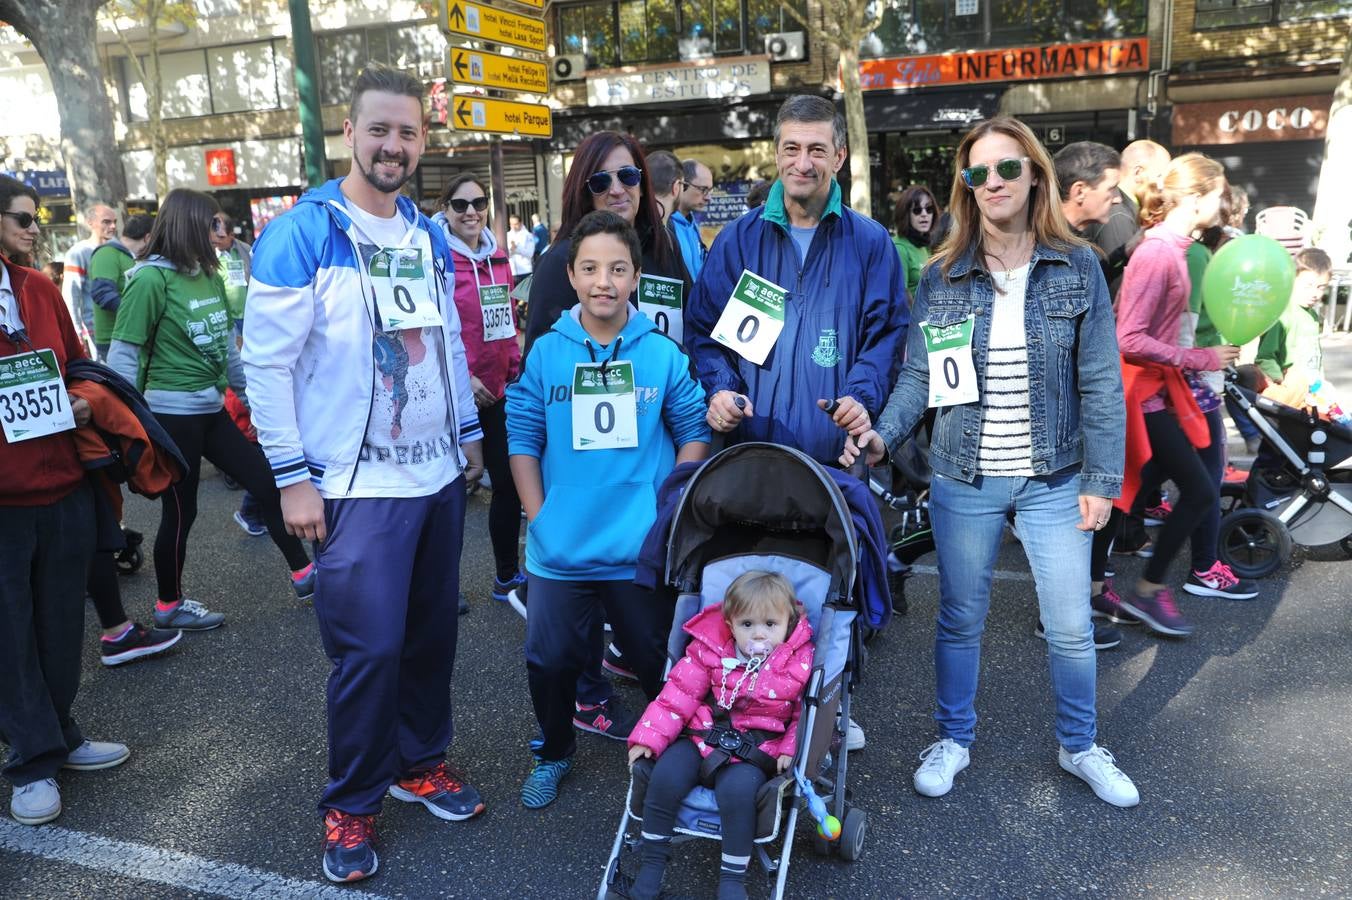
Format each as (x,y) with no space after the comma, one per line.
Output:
(542,784)
(349,847)
(304,581)
(502,588)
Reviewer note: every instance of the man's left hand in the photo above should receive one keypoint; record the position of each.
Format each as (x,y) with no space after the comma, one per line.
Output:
(849,415)
(474,459)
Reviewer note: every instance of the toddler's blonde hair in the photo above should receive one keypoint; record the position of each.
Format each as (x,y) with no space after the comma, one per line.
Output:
(758,590)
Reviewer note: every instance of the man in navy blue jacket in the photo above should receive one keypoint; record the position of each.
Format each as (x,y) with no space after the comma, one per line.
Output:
(844,310)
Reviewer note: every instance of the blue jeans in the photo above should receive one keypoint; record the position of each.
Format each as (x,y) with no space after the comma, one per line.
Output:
(969,522)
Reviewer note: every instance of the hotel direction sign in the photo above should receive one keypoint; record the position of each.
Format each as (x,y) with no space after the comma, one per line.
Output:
(493,70)
(527,120)
(496,26)
(1006,64)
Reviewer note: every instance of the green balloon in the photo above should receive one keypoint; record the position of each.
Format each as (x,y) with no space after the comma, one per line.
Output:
(1246,286)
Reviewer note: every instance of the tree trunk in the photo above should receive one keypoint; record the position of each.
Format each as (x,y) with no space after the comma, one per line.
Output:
(63,32)
(1333,204)
(861,184)
(159,145)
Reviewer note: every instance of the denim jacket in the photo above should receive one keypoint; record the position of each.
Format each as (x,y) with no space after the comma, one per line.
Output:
(1073,366)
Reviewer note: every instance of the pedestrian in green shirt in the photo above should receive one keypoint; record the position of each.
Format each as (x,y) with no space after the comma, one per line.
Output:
(1293,343)
(913,221)
(236,264)
(174,341)
(107,275)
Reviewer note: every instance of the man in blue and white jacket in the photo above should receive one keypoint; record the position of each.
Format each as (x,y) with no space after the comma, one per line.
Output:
(845,311)
(361,396)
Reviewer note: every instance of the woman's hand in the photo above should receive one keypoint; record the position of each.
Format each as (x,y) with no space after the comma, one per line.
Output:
(782,764)
(1227,354)
(637,752)
(1094,512)
(869,442)
(79,408)
(482,395)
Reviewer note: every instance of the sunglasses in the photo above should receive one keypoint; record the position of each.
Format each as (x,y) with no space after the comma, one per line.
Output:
(24,219)
(922,208)
(218,226)
(704,191)
(460,204)
(629,176)
(1008,170)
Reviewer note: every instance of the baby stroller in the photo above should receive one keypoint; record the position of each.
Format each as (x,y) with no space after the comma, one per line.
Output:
(913,536)
(763,506)
(1299,491)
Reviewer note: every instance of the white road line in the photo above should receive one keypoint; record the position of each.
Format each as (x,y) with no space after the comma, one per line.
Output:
(182,870)
(1000,574)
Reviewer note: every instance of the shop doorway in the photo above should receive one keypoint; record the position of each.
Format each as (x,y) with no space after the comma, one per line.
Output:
(923,158)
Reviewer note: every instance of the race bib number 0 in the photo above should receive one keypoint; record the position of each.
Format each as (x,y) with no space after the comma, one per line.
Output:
(33,400)
(402,294)
(605,409)
(496,304)
(234,272)
(662,300)
(952,377)
(753,319)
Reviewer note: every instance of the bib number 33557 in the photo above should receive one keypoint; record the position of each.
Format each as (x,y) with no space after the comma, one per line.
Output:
(952,377)
(33,400)
(605,407)
(753,319)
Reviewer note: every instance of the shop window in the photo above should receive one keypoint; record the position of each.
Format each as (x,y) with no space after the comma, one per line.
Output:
(232,78)
(634,31)
(419,50)
(1226,13)
(914,27)
(243,77)
(1290,10)
(341,57)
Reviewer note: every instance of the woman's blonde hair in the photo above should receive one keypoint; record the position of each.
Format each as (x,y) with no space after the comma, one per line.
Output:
(757,590)
(1045,218)
(1187,175)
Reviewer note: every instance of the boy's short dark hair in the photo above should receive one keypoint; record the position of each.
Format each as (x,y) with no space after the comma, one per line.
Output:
(1312,259)
(603,222)
(377,77)
(138,226)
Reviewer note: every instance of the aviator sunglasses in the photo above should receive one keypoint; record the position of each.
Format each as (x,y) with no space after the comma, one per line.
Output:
(24,219)
(1008,169)
(629,176)
(460,204)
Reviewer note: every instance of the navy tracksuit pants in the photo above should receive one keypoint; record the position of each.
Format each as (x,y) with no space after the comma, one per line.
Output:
(387,605)
(563,632)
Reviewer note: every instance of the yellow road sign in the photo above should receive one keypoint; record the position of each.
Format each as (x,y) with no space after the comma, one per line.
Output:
(493,70)
(495,25)
(501,116)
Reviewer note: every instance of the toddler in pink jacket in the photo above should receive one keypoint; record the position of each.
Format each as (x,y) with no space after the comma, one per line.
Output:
(736,696)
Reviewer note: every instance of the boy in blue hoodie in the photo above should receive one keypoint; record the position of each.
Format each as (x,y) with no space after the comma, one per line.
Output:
(603,411)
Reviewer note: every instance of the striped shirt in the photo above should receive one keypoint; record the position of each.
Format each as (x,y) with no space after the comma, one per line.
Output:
(1006,448)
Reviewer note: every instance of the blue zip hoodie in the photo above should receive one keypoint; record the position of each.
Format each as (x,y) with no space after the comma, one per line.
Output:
(844,322)
(599,504)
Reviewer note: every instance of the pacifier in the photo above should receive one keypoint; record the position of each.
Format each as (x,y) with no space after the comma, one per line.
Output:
(758,648)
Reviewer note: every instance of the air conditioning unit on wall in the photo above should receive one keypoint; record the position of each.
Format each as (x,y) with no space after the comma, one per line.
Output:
(572,67)
(784,46)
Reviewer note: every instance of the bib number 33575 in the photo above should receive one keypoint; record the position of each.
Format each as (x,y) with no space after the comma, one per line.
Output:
(952,377)
(605,407)
(753,319)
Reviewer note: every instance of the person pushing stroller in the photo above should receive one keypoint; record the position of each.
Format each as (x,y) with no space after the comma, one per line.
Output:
(737,695)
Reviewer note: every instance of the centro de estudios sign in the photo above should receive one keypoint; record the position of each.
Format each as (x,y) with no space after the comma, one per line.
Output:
(741,76)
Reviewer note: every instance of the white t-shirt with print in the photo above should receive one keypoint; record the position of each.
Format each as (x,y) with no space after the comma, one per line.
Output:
(409,449)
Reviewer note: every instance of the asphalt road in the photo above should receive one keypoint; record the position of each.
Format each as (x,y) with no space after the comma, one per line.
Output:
(1237,739)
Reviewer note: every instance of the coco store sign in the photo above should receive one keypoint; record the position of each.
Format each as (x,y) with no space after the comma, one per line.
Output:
(1236,122)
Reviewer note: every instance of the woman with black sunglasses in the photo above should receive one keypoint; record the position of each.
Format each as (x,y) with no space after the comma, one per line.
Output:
(483,284)
(174,341)
(607,173)
(913,221)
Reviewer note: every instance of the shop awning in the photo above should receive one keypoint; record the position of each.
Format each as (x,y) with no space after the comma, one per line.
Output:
(929,110)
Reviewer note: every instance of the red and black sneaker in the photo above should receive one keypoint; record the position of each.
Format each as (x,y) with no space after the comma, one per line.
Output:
(349,846)
(443,790)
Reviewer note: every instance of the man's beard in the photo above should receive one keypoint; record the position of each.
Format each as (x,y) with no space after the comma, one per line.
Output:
(386,185)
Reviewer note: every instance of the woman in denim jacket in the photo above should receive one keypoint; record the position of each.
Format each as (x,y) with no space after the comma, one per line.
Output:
(1017,353)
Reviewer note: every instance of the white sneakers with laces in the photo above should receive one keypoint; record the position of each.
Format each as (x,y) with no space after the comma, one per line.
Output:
(1097,768)
(940,762)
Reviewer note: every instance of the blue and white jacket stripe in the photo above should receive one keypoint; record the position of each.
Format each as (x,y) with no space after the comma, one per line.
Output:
(308,342)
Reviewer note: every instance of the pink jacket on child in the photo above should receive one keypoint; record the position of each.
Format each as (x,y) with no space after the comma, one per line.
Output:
(771,703)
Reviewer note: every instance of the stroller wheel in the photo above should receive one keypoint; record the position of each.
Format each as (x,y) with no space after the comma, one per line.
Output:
(1346,544)
(129,560)
(1254,543)
(852,832)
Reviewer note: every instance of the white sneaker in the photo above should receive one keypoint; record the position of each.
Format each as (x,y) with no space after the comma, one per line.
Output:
(36,803)
(93,755)
(1097,767)
(854,736)
(940,762)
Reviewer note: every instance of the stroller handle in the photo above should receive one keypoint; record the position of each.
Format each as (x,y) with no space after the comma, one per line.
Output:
(859,468)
